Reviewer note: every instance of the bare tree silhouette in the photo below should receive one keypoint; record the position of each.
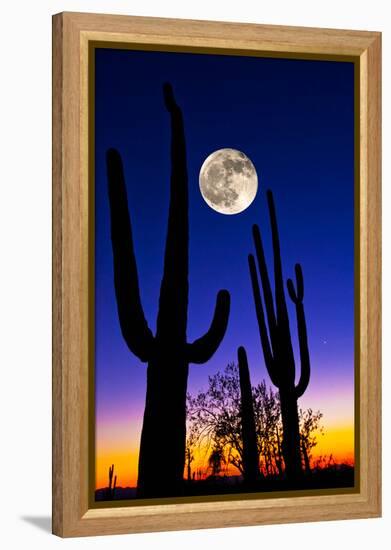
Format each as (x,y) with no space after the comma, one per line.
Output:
(268,419)
(214,416)
(168,354)
(215,421)
(309,422)
(216,460)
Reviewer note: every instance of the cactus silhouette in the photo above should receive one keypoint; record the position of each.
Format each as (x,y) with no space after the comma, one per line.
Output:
(167,353)
(112,486)
(249,436)
(276,339)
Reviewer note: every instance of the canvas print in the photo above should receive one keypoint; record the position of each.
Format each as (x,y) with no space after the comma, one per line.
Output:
(224,276)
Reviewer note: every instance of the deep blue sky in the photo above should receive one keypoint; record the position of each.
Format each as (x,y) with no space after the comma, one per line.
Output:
(295,120)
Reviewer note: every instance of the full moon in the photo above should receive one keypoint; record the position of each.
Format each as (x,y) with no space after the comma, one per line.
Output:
(228,181)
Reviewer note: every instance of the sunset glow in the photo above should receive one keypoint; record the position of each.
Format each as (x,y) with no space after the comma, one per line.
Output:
(302,147)
(118,443)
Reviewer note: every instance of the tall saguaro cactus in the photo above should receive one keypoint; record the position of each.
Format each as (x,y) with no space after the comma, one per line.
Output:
(276,339)
(168,354)
(249,435)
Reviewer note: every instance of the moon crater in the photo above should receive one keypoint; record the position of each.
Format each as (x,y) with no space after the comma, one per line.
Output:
(228,181)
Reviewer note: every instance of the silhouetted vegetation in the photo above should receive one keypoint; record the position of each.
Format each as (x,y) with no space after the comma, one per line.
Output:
(189,460)
(215,433)
(276,339)
(110,490)
(309,425)
(167,352)
(216,460)
(215,422)
(256,430)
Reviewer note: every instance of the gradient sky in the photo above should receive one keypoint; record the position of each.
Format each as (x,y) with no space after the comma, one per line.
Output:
(295,120)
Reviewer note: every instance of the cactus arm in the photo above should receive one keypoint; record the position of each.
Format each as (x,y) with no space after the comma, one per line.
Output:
(201,350)
(174,289)
(283,329)
(304,352)
(282,312)
(297,298)
(267,292)
(278,278)
(133,324)
(267,351)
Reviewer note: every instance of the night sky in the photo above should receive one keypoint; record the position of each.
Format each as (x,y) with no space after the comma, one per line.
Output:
(295,120)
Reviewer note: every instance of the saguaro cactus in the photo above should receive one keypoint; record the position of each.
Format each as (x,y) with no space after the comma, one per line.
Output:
(112,486)
(276,341)
(249,435)
(167,352)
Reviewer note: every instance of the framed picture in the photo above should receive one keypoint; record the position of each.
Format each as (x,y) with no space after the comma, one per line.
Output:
(216,274)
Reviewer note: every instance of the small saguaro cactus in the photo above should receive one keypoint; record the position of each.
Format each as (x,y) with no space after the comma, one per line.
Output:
(249,435)
(167,353)
(276,340)
(112,486)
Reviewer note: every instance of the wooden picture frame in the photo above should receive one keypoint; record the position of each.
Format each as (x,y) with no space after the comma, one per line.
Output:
(73,34)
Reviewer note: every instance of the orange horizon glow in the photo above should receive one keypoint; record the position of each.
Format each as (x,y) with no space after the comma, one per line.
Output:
(337,440)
